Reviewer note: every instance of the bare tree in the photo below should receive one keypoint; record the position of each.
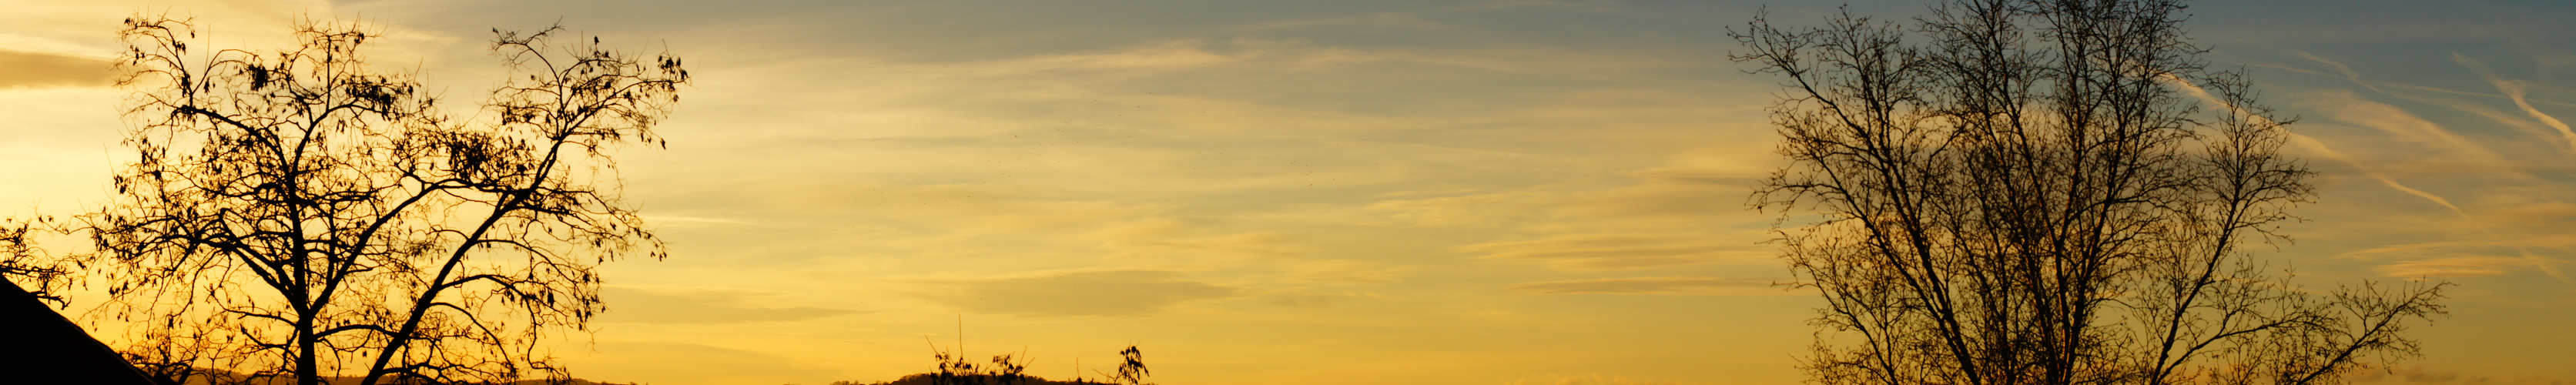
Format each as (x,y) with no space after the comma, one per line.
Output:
(2048,192)
(31,269)
(300,214)
(1131,368)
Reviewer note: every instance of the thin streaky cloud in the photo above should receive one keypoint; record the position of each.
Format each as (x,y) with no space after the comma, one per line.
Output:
(2511,91)
(2516,90)
(2535,259)
(2311,144)
(1408,145)
(2472,266)
(2401,124)
(2314,146)
(20,69)
(2397,121)
(2354,76)
(2392,251)
(673,219)
(2441,90)
(1076,293)
(1652,285)
(2349,75)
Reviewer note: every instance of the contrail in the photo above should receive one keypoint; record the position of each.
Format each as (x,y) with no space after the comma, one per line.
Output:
(2429,130)
(2311,144)
(2516,91)
(2513,90)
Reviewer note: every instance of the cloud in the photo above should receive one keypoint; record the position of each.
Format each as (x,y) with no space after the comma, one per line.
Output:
(2411,374)
(972,209)
(1313,300)
(1088,293)
(2517,90)
(1609,251)
(1344,270)
(643,306)
(2414,134)
(1651,285)
(1687,210)
(1495,209)
(1168,236)
(36,70)
(1164,56)
(680,220)
(1703,187)
(2453,267)
(1379,20)
(2406,127)
(879,215)
(1250,51)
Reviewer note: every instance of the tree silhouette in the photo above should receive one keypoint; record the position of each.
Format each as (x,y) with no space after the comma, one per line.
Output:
(299,214)
(1131,369)
(41,275)
(2037,195)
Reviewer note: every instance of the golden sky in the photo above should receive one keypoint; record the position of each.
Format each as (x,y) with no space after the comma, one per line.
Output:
(1349,192)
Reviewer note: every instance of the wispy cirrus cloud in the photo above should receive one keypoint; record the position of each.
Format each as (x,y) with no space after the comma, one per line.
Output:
(1618,251)
(1315,300)
(2519,91)
(652,306)
(1078,293)
(2419,374)
(2404,129)
(2453,267)
(35,69)
(1346,270)
(1686,211)
(2509,184)
(1653,285)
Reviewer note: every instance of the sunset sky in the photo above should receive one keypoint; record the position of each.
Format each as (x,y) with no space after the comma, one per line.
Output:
(1343,192)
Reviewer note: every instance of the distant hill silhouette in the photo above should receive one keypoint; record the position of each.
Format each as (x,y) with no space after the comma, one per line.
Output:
(1009,369)
(39,346)
(980,379)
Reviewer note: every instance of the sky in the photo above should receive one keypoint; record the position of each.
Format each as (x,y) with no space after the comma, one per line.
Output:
(1354,192)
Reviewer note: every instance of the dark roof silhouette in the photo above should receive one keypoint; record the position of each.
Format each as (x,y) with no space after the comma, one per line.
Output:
(39,346)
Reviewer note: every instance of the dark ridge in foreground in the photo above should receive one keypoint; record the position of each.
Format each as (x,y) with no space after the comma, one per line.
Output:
(41,347)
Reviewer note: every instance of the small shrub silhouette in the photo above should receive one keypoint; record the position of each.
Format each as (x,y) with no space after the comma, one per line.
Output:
(1131,372)
(955,369)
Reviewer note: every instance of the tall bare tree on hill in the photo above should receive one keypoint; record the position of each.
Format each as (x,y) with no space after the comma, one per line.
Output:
(2048,192)
(298,214)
